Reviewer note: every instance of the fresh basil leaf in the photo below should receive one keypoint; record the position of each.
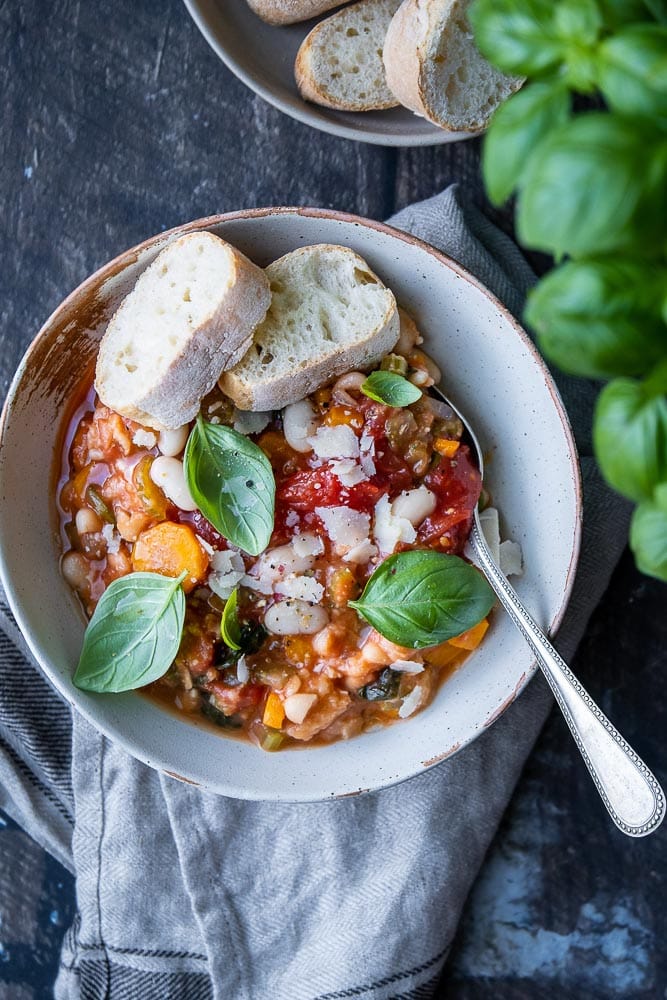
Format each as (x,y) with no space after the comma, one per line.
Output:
(515,132)
(630,437)
(230,627)
(599,318)
(578,21)
(595,184)
(619,12)
(648,534)
(632,70)
(134,634)
(421,598)
(657,10)
(391,389)
(232,483)
(518,38)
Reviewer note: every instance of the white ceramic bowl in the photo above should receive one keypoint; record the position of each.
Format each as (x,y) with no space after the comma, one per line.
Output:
(262,56)
(492,372)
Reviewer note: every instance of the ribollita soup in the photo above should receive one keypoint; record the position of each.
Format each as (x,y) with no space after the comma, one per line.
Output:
(290,574)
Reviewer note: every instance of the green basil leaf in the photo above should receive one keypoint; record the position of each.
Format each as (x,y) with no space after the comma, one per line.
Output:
(232,483)
(230,627)
(578,21)
(632,70)
(515,132)
(391,389)
(134,634)
(630,437)
(599,318)
(619,12)
(595,185)
(420,598)
(657,10)
(648,534)
(518,38)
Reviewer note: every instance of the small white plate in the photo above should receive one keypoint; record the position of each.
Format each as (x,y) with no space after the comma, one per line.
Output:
(262,56)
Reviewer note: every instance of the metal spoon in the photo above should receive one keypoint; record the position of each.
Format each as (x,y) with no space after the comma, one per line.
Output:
(634,799)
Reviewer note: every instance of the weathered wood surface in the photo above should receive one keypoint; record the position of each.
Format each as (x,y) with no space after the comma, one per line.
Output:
(117,122)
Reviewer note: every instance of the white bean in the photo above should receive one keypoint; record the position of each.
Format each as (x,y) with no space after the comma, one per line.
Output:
(299,424)
(74,568)
(87,521)
(295,617)
(297,706)
(414,505)
(352,380)
(420,359)
(283,560)
(168,474)
(172,443)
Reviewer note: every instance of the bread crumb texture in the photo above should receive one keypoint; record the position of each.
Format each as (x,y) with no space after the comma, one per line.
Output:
(340,61)
(328,312)
(460,88)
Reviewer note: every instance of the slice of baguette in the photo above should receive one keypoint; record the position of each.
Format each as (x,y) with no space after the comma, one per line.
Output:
(339,63)
(190,315)
(434,68)
(290,11)
(329,314)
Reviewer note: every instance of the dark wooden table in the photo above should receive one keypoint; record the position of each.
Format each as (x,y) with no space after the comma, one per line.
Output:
(117,122)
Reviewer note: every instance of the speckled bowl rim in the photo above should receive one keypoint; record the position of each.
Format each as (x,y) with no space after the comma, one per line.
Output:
(300,111)
(113,268)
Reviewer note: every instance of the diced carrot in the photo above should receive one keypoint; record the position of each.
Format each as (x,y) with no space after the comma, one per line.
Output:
(446,447)
(274,713)
(472,638)
(169,549)
(337,415)
(440,656)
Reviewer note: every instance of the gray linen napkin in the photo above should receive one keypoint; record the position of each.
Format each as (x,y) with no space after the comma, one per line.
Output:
(182,894)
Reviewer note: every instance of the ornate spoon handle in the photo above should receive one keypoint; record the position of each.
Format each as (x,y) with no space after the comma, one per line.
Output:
(633,797)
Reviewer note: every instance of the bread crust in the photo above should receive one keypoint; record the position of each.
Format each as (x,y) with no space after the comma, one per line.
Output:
(401,55)
(278,391)
(291,11)
(406,61)
(218,343)
(306,79)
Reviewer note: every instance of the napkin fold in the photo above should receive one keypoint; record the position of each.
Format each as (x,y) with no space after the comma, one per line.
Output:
(183,894)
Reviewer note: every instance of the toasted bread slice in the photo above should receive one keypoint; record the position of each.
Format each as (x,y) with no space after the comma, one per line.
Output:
(290,11)
(434,68)
(190,315)
(339,63)
(329,314)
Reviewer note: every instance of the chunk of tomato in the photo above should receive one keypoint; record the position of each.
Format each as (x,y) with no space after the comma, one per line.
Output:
(457,485)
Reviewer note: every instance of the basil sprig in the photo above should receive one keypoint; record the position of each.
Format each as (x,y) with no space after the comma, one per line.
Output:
(421,598)
(232,483)
(230,627)
(134,634)
(591,189)
(390,388)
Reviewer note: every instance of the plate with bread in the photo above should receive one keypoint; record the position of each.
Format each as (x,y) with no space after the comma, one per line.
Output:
(242,493)
(380,71)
